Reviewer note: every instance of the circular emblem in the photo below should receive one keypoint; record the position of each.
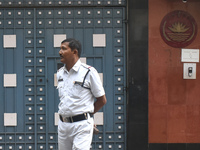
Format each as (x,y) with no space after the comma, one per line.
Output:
(178,29)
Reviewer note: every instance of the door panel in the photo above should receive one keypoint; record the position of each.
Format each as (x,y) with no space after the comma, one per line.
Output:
(34,60)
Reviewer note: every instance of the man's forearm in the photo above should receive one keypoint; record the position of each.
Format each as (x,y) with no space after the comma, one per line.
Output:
(100,102)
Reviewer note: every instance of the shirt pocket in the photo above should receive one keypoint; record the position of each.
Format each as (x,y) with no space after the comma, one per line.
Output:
(77,90)
(60,88)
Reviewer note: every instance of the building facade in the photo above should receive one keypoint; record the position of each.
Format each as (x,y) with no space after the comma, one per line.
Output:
(143,51)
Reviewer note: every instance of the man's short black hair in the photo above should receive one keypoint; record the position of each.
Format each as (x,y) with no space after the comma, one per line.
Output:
(73,44)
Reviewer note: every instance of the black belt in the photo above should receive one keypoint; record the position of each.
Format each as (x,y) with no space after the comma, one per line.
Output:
(75,118)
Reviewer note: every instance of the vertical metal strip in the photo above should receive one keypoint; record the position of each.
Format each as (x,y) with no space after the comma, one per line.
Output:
(124,73)
(4,93)
(24,91)
(46,101)
(104,69)
(114,85)
(35,79)
(14,71)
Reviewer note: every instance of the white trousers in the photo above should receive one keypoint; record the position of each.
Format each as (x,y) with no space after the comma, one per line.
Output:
(76,135)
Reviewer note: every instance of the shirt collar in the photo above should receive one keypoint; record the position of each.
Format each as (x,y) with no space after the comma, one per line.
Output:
(75,67)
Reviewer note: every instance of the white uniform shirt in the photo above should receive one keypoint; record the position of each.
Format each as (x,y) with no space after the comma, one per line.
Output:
(75,99)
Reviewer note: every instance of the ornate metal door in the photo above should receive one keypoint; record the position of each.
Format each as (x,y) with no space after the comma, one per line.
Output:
(30,40)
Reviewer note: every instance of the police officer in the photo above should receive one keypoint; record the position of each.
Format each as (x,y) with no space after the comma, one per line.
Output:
(78,86)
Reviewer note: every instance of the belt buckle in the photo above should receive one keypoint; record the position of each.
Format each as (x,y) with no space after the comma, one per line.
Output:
(68,119)
(65,119)
(71,119)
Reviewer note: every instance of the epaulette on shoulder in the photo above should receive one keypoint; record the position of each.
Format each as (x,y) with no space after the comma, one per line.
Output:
(62,68)
(86,66)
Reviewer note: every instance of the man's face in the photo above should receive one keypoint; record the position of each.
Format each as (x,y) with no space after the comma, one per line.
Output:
(66,54)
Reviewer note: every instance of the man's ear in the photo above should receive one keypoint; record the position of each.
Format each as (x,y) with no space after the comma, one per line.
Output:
(75,51)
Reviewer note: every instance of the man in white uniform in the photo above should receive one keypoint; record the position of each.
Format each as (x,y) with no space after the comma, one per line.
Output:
(78,86)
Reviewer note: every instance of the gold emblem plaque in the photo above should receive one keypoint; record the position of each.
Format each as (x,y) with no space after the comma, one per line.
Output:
(178,29)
